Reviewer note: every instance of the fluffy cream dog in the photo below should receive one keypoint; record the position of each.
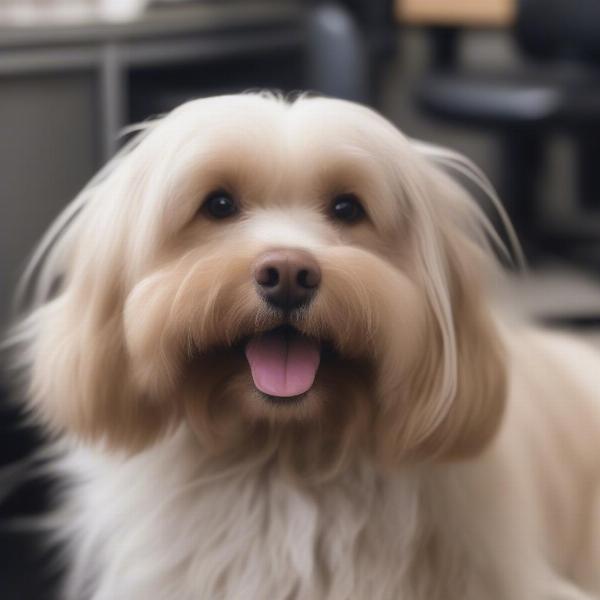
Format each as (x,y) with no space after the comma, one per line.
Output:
(263,339)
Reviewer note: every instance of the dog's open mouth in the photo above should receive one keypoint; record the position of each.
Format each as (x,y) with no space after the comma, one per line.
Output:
(283,362)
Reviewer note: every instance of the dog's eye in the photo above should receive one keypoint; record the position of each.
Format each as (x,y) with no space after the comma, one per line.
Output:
(347,208)
(220,205)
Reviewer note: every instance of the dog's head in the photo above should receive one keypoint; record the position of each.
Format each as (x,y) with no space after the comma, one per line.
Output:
(297,277)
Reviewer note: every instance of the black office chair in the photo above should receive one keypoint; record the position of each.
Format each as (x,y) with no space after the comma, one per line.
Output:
(556,90)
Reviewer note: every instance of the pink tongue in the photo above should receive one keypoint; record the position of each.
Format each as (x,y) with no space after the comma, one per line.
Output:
(283,362)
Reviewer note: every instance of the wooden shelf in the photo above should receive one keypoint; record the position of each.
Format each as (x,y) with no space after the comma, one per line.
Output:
(153,24)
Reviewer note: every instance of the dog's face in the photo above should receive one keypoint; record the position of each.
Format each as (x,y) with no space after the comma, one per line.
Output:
(285,276)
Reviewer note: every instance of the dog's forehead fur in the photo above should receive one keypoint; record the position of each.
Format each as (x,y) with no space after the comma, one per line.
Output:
(274,154)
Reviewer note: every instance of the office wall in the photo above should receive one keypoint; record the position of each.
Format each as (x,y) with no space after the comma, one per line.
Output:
(45,158)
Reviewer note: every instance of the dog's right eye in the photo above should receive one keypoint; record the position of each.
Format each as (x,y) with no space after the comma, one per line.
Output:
(220,205)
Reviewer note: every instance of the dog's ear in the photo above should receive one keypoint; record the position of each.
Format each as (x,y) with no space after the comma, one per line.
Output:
(453,401)
(79,376)
(476,398)
(73,347)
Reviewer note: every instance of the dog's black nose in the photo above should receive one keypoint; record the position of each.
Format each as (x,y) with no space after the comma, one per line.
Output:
(287,278)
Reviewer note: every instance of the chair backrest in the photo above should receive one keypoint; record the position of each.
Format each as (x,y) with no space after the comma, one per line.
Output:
(336,54)
(349,43)
(559,29)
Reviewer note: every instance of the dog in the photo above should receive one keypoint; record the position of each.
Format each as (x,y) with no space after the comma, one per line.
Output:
(265,342)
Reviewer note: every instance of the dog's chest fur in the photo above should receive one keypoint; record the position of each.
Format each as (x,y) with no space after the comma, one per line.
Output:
(168,525)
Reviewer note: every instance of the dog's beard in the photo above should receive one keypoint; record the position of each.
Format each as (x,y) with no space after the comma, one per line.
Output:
(281,392)
(317,430)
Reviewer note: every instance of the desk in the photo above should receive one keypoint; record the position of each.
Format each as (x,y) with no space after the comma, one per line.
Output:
(456,13)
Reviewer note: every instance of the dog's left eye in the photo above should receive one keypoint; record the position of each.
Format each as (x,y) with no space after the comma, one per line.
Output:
(347,208)
(220,205)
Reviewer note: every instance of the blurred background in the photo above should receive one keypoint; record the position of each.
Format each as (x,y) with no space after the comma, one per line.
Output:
(513,84)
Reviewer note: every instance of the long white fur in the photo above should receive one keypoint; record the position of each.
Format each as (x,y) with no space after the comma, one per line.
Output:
(171,523)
